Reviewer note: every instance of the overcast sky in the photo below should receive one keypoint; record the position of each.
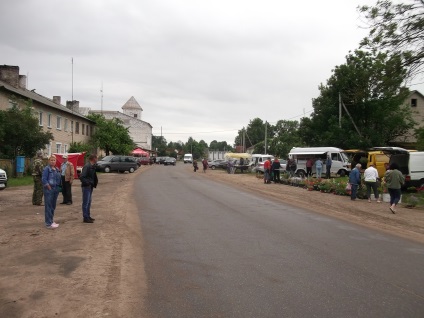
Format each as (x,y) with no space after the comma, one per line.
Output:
(198,68)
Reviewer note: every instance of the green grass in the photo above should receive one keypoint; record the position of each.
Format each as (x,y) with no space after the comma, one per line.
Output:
(18,182)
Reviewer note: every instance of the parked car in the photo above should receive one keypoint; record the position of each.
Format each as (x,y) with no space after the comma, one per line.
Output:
(3,179)
(117,163)
(214,164)
(144,161)
(161,160)
(222,164)
(170,161)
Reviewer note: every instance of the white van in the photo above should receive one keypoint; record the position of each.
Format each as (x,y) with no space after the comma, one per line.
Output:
(258,160)
(411,164)
(188,157)
(340,162)
(3,179)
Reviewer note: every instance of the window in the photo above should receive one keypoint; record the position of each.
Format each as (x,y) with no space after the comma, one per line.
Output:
(72,126)
(65,125)
(58,147)
(12,103)
(65,148)
(59,123)
(86,129)
(40,118)
(135,115)
(77,127)
(49,120)
(49,149)
(413,102)
(82,129)
(91,130)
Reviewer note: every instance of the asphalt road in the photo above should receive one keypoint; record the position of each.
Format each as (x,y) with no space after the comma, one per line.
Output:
(211,250)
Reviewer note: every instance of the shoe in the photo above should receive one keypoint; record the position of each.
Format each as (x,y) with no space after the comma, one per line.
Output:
(87,220)
(53,226)
(54,223)
(378,201)
(369,200)
(62,202)
(91,218)
(69,203)
(393,210)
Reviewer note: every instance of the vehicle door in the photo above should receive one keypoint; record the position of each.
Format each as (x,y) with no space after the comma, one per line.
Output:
(337,162)
(115,163)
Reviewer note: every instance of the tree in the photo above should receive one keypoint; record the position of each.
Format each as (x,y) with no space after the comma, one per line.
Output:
(81,147)
(20,133)
(286,137)
(255,133)
(397,29)
(111,135)
(159,144)
(370,87)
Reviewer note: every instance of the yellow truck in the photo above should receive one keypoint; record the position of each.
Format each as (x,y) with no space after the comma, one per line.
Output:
(378,158)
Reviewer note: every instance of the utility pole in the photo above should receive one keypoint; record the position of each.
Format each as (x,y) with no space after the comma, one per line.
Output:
(266,127)
(72,101)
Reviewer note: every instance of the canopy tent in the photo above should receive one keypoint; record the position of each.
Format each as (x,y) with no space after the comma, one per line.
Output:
(138,152)
(76,158)
(238,155)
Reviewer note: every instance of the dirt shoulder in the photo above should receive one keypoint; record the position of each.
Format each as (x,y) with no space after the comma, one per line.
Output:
(79,269)
(407,223)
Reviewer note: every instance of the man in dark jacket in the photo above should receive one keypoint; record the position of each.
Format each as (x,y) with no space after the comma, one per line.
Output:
(275,167)
(355,181)
(88,183)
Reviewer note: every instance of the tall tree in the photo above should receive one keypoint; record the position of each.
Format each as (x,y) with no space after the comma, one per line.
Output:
(255,133)
(111,135)
(20,133)
(370,85)
(159,145)
(397,28)
(286,137)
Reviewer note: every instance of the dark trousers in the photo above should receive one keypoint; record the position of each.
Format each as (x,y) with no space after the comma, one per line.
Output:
(308,171)
(394,196)
(276,176)
(87,193)
(328,172)
(354,190)
(66,191)
(373,186)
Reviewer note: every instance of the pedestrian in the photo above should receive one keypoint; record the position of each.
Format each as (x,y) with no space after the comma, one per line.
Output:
(205,165)
(355,181)
(51,181)
(318,168)
(37,173)
(394,180)
(89,181)
(292,166)
(275,167)
(267,171)
(309,165)
(195,167)
(371,176)
(328,163)
(67,172)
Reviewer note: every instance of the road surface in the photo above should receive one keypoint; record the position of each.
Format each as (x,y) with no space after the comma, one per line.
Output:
(211,250)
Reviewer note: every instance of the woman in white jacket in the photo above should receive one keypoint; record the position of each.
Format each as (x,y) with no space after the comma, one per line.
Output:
(370,176)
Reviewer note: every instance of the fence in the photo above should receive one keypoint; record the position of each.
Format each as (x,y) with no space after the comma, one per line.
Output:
(9,165)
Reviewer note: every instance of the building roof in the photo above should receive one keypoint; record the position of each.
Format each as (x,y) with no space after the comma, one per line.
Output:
(118,114)
(39,98)
(416,92)
(132,104)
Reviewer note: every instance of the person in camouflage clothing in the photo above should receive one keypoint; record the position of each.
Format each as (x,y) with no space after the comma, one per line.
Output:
(37,171)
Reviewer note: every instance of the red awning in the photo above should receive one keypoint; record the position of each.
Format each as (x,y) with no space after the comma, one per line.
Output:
(140,152)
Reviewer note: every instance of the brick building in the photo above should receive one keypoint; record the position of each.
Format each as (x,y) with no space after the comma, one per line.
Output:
(65,122)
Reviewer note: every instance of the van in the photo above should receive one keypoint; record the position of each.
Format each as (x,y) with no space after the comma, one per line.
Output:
(188,158)
(258,160)
(3,179)
(340,162)
(411,164)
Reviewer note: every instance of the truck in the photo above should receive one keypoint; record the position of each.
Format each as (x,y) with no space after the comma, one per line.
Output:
(188,158)
(340,162)
(3,179)
(377,158)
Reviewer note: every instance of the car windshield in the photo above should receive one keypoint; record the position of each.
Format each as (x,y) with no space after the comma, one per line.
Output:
(344,156)
(107,158)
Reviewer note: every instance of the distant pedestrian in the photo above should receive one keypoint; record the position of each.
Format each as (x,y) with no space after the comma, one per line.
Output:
(267,171)
(205,165)
(309,165)
(89,181)
(67,172)
(370,177)
(275,167)
(195,167)
(292,166)
(394,180)
(51,181)
(318,168)
(328,163)
(37,172)
(355,181)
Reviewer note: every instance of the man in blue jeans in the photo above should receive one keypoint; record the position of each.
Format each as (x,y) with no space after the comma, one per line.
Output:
(88,183)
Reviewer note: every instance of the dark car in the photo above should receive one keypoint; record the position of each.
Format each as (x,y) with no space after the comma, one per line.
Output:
(117,163)
(223,164)
(170,161)
(215,163)
(144,161)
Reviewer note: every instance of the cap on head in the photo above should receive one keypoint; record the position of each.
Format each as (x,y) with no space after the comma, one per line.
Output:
(65,156)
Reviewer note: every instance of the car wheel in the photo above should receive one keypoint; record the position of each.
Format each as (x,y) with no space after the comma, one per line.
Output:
(213,167)
(131,170)
(107,169)
(342,173)
(301,173)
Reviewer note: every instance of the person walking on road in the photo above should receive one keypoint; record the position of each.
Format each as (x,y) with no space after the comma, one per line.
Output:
(275,167)
(205,165)
(394,181)
(328,163)
(67,171)
(37,172)
(51,181)
(371,176)
(355,181)
(318,168)
(195,167)
(89,181)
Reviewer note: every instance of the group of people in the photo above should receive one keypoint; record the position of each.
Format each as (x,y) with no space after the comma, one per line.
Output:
(204,164)
(50,180)
(393,178)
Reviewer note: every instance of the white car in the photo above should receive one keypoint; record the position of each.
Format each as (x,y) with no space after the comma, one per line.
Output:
(3,179)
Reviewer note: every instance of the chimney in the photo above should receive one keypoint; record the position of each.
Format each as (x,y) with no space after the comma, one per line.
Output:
(73,105)
(22,81)
(10,75)
(56,100)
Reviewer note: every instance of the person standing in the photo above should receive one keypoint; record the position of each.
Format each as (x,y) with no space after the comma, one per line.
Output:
(328,163)
(275,167)
(267,171)
(355,181)
(37,172)
(394,181)
(309,165)
(205,165)
(51,181)
(195,165)
(89,181)
(371,176)
(67,171)
(291,163)
(318,168)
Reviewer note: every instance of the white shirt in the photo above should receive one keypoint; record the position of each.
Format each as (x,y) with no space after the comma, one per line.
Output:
(371,174)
